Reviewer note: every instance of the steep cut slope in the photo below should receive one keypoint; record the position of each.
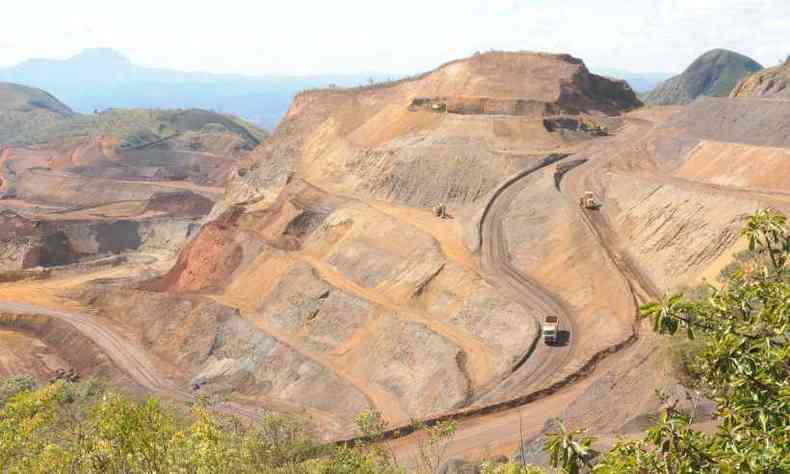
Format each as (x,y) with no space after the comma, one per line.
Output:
(445,136)
(715,73)
(23,108)
(769,83)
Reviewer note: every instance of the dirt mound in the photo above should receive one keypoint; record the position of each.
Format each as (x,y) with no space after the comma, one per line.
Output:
(769,83)
(715,74)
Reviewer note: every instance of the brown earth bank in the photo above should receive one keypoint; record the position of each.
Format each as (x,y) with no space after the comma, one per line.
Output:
(322,282)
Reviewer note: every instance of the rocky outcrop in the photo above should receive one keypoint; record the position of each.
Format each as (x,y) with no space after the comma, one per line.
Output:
(769,83)
(715,74)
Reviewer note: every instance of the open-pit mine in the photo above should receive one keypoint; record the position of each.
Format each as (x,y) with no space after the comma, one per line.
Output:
(396,247)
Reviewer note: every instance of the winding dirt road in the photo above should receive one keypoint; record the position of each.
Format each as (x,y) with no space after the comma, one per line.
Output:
(541,361)
(128,357)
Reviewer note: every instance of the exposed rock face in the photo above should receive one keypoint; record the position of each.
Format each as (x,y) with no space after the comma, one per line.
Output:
(214,347)
(28,243)
(769,83)
(715,73)
(390,142)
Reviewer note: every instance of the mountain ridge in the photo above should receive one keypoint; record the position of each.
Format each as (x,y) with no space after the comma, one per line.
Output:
(116,82)
(715,73)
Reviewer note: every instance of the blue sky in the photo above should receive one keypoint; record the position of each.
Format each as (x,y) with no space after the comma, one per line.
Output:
(398,36)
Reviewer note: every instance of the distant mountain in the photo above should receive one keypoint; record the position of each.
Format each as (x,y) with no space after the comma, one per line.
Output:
(771,82)
(639,82)
(102,78)
(23,108)
(715,74)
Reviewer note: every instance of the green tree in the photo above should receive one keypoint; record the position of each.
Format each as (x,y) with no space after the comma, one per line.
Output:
(744,367)
(569,450)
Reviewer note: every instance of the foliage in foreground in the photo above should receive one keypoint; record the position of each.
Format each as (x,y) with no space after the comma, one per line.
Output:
(743,365)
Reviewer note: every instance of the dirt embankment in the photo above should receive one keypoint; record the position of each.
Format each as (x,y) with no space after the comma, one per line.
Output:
(747,121)
(213,346)
(415,331)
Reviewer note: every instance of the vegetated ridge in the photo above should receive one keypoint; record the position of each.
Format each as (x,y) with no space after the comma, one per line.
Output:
(715,74)
(22,106)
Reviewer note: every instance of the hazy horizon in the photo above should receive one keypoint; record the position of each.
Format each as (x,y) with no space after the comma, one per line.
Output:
(296,38)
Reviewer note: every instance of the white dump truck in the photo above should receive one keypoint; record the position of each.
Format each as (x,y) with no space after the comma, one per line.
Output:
(550,329)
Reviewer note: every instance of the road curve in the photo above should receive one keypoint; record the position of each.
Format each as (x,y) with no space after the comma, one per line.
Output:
(541,361)
(128,357)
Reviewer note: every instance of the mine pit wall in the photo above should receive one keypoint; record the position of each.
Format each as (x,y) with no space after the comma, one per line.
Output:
(82,355)
(748,121)
(679,231)
(53,244)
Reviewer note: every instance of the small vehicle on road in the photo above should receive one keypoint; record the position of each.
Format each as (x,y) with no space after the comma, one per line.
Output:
(588,201)
(550,329)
